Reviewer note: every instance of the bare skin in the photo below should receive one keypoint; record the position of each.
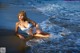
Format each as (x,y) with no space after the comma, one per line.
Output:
(41,35)
(38,32)
(24,24)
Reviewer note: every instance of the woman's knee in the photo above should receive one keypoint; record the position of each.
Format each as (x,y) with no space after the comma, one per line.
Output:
(38,31)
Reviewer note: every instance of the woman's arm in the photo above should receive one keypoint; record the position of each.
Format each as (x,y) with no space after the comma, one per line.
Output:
(38,30)
(31,21)
(34,23)
(16,30)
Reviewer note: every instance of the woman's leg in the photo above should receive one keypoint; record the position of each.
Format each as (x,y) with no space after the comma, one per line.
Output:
(43,35)
(40,33)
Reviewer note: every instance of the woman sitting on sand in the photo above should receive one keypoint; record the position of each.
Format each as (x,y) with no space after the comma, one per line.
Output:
(27,25)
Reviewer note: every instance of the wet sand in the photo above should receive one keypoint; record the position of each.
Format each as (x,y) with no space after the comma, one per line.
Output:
(12,43)
(8,16)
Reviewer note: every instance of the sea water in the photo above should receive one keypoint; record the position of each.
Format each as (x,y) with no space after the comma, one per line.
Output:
(62,21)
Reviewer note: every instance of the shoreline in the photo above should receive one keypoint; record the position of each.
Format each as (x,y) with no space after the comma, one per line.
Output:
(12,43)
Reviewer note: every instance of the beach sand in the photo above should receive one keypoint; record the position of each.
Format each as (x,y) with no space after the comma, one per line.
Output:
(8,39)
(11,42)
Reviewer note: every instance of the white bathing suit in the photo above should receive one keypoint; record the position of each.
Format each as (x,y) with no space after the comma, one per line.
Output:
(25,29)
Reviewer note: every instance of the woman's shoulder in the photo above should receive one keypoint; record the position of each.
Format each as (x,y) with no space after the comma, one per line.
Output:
(26,22)
(17,23)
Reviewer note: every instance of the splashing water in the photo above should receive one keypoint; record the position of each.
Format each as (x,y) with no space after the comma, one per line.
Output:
(63,26)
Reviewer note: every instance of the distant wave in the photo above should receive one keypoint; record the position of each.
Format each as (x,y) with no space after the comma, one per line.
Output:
(50,9)
(61,14)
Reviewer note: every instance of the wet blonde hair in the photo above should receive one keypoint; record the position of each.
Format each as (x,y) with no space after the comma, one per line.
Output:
(23,13)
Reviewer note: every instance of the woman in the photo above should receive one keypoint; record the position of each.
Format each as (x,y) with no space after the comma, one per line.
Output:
(27,25)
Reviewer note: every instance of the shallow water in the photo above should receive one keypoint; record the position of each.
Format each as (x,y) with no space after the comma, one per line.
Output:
(59,18)
(9,14)
(63,25)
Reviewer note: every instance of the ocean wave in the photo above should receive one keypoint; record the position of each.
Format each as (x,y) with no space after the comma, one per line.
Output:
(56,32)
